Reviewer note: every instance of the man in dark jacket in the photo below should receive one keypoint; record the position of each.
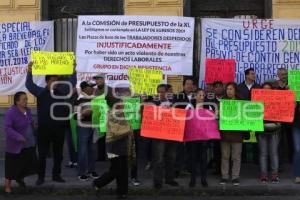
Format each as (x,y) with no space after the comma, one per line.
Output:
(183,100)
(164,152)
(51,125)
(244,92)
(244,88)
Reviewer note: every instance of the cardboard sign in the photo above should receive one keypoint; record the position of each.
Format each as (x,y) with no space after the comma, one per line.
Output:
(100,109)
(294,82)
(163,123)
(237,115)
(201,125)
(132,111)
(219,70)
(144,81)
(54,63)
(279,104)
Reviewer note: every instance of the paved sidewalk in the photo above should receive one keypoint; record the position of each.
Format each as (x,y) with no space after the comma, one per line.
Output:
(250,184)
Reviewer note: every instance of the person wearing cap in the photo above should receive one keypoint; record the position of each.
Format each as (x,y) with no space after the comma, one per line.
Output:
(86,150)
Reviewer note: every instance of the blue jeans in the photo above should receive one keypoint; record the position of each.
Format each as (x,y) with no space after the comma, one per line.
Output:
(296,139)
(86,151)
(268,147)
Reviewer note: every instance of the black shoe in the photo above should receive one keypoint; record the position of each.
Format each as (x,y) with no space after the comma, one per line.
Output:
(93,175)
(39,181)
(172,183)
(204,183)
(236,182)
(157,186)
(21,183)
(192,183)
(223,181)
(58,179)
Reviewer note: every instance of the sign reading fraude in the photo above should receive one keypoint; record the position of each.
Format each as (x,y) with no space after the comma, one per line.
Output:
(237,115)
(163,123)
(279,104)
(112,44)
(144,81)
(219,70)
(60,63)
(294,82)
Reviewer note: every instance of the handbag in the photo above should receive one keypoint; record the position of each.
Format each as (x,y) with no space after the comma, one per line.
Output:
(117,127)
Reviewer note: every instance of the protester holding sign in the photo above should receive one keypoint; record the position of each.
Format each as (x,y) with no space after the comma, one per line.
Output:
(231,145)
(164,152)
(268,142)
(183,100)
(85,131)
(197,150)
(51,129)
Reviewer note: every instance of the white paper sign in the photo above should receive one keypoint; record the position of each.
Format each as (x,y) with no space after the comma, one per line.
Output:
(112,44)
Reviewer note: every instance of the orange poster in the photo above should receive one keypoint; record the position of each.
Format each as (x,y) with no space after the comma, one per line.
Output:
(279,104)
(163,123)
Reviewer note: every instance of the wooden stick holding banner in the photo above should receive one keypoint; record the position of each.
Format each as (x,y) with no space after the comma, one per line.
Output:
(52,63)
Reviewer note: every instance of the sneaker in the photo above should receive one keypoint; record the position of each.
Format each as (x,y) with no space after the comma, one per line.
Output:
(204,183)
(297,180)
(236,182)
(148,166)
(58,179)
(263,179)
(275,178)
(83,178)
(172,183)
(223,181)
(93,175)
(135,182)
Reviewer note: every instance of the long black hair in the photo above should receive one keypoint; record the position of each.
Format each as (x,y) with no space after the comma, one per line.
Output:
(17,96)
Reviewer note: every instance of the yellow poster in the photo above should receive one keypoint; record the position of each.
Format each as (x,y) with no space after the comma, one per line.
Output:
(52,63)
(144,81)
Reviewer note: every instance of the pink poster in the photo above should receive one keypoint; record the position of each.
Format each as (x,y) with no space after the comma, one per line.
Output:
(201,125)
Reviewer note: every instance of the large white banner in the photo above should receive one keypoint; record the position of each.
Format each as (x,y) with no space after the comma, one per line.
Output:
(111,44)
(262,44)
(17,40)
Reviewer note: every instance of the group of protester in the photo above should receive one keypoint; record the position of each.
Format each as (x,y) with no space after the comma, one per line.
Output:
(167,158)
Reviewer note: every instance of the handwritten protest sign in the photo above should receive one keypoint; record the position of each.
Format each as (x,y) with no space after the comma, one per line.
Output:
(294,82)
(263,44)
(100,109)
(163,123)
(219,70)
(241,115)
(132,111)
(252,138)
(144,81)
(60,63)
(279,104)
(201,124)
(17,40)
